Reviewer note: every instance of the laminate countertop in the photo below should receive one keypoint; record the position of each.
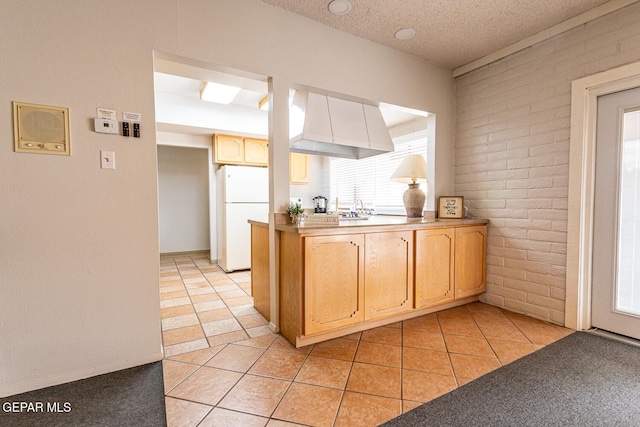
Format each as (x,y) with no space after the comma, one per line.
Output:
(375,223)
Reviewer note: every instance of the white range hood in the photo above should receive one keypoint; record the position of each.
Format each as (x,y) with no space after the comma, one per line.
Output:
(336,127)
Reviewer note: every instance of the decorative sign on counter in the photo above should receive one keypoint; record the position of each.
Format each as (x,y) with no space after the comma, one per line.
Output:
(450,207)
(323,219)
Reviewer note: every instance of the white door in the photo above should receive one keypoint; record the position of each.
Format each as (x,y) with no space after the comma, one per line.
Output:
(616,246)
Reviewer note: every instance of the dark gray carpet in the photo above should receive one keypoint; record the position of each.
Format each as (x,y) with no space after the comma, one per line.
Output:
(131,397)
(581,380)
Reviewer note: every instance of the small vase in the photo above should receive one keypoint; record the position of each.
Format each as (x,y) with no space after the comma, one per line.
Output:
(295,219)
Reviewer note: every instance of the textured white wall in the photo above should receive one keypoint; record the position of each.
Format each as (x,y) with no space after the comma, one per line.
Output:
(512,154)
(79,245)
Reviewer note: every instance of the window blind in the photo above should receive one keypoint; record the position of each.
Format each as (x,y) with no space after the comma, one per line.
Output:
(368,179)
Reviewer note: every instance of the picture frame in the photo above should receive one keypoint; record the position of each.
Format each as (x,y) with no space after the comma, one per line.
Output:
(451,207)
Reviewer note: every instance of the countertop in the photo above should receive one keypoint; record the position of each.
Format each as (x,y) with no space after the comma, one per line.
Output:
(375,223)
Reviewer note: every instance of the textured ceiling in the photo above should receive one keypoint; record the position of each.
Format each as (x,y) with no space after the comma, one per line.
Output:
(449,32)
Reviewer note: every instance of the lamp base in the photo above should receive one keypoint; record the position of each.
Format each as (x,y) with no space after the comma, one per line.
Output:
(413,200)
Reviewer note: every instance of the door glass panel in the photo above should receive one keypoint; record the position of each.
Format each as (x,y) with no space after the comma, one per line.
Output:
(628,280)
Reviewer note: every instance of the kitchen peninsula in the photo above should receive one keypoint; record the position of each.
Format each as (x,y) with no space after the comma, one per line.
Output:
(340,279)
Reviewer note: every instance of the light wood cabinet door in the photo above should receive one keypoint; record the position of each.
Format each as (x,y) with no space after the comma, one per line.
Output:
(334,282)
(434,267)
(470,261)
(228,149)
(256,152)
(299,171)
(260,290)
(388,281)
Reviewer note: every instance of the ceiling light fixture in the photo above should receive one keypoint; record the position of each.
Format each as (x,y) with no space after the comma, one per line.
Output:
(340,7)
(216,92)
(405,34)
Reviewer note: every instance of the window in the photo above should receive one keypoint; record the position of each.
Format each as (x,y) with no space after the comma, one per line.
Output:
(628,277)
(368,179)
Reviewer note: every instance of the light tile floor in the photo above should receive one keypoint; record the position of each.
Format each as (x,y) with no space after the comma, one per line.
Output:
(224,367)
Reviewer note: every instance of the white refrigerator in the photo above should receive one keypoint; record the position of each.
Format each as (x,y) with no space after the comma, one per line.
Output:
(242,194)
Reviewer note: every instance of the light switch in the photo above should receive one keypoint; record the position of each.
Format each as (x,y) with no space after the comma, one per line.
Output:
(107,160)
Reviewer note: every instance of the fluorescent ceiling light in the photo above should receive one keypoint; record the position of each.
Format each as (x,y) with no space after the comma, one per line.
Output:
(216,92)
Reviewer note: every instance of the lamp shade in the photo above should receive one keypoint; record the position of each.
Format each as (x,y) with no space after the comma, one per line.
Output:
(412,169)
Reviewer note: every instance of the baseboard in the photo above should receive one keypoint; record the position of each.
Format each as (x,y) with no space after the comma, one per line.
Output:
(186,253)
(67,377)
(274,328)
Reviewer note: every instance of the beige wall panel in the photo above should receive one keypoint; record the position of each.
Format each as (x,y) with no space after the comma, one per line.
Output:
(79,252)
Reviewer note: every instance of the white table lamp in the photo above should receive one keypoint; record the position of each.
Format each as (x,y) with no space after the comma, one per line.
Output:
(413,171)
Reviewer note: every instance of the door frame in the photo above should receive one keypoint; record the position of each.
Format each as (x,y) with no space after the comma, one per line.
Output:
(582,143)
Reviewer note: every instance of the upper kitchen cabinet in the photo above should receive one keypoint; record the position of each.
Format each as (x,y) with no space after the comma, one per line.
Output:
(256,152)
(299,170)
(238,150)
(228,149)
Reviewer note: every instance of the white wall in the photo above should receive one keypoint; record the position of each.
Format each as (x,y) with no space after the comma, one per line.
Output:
(319,184)
(183,198)
(198,142)
(79,245)
(512,155)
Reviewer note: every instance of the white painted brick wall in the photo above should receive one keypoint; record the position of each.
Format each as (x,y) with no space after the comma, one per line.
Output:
(512,156)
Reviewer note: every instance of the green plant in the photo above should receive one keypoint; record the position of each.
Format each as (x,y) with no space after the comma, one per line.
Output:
(295,209)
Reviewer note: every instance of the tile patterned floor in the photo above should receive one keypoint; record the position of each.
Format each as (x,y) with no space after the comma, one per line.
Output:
(224,367)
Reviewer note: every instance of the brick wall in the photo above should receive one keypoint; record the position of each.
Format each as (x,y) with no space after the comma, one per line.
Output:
(512,156)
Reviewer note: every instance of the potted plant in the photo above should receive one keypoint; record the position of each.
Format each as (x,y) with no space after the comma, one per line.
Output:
(295,211)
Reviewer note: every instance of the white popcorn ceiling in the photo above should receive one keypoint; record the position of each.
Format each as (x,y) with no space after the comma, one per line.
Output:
(449,32)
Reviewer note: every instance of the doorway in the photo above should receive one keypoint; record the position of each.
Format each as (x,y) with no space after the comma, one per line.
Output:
(585,93)
(186,122)
(616,238)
